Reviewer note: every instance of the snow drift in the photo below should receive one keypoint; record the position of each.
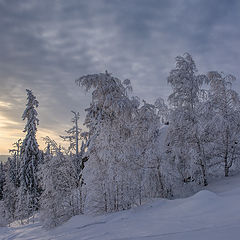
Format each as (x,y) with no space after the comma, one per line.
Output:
(212,213)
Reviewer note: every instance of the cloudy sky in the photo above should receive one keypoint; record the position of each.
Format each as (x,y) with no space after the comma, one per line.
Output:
(45,45)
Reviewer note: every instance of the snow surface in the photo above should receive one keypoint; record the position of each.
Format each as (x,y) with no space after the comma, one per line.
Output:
(213,213)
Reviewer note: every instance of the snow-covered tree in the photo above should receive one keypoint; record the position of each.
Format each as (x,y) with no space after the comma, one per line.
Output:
(108,120)
(2,179)
(225,124)
(12,182)
(3,220)
(73,134)
(146,151)
(10,191)
(29,191)
(61,197)
(162,110)
(14,163)
(186,127)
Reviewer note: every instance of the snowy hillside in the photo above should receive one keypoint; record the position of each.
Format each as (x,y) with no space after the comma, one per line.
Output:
(212,213)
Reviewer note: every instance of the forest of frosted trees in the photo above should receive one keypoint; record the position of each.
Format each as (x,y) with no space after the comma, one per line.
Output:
(132,150)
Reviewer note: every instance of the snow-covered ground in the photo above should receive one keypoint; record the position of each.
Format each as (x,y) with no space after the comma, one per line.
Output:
(213,213)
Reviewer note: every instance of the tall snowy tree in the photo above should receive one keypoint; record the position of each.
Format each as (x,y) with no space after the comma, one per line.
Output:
(225,106)
(185,128)
(145,152)
(108,119)
(29,190)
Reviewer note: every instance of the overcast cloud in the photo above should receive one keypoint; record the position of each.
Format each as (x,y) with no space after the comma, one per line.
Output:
(45,45)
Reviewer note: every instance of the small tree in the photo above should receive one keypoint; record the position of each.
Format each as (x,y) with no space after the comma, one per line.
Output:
(73,134)
(58,180)
(10,190)
(2,179)
(14,163)
(12,181)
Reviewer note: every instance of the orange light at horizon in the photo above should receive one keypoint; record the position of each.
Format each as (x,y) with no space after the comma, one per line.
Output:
(11,131)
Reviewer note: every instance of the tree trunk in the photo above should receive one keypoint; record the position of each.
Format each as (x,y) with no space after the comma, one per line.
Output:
(202,162)
(226,167)
(205,182)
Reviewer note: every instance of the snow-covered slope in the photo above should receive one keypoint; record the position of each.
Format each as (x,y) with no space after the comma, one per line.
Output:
(213,213)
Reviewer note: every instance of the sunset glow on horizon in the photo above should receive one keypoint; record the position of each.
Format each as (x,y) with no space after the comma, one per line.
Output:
(11,131)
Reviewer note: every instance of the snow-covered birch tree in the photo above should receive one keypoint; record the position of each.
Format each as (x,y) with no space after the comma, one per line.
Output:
(224,102)
(108,119)
(185,127)
(61,197)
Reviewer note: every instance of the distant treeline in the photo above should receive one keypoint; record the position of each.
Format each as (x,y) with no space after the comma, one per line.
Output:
(4,158)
